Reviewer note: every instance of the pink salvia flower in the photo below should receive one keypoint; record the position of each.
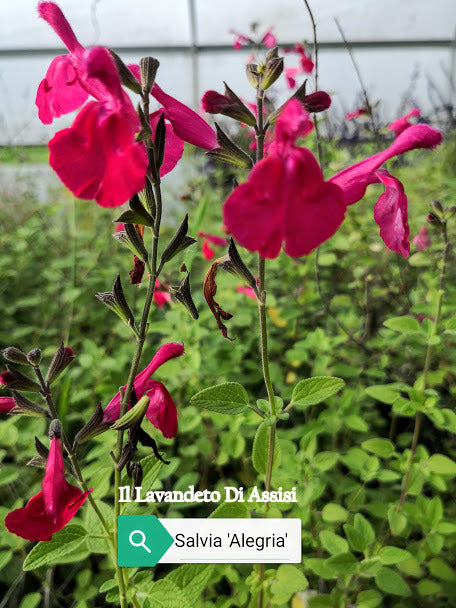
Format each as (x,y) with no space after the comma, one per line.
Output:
(161,297)
(390,213)
(52,508)
(402,123)
(6,405)
(269,40)
(187,124)
(248,291)
(60,91)
(239,41)
(174,146)
(290,76)
(213,102)
(356,114)
(355,179)
(285,199)
(98,156)
(162,411)
(421,240)
(209,239)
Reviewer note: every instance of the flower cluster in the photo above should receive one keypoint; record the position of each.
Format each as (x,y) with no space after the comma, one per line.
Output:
(98,157)
(286,200)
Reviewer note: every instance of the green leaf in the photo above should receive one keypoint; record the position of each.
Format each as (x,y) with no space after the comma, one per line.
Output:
(389,581)
(438,463)
(227,510)
(320,567)
(260,449)
(343,563)
(397,521)
(370,567)
(324,461)
(5,558)
(364,528)
(312,391)
(228,398)
(31,600)
(333,543)
(356,423)
(165,594)
(192,579)
(380,447)
(428,587)
(356,541)
(441,570)
(321,601)
(393,555)
(403,325)
(288,581)
(368,599)
(382,393)
(63,543)
(334,512)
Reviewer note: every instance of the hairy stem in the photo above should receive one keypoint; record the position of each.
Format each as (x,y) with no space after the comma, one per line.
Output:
(260,133)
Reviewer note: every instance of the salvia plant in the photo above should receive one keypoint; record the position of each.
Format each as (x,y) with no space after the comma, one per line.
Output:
(375,531)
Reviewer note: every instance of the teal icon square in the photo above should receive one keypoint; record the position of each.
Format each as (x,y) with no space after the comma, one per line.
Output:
(142,540)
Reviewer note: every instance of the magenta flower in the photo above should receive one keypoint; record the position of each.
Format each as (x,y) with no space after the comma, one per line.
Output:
(239,41)
(187,124)
(51,509)
(6,405)
(211,239)
(98,157)
(174,146)
(356,114)
(421,240)
(286,200)
(402,123)
(290,76)
(162,411)
(161,296)
(60,91)
(248,291)
(269,40)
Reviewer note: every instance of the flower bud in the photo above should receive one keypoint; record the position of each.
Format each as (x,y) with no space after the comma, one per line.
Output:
(92,428)
(316,102)
(125,74)
(42,455)
(61,360)
(15,355)
(273,69)
(228,104)
(133,416)
(272,54)
(115,301)
(147,198)
(25,407)
(437,207)
(34,357)
(14,379)
(253,76)
(55,429)
(235,265)
(136,214)
(131,239)
(183,294)
(148,67)
(229,152)
(178,243)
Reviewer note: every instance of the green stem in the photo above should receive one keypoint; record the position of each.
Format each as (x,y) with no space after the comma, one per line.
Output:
(260,133)
(427,365)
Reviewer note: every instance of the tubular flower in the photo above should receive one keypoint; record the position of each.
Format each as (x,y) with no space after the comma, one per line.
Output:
(286,200)
(162,411)
(421,240)
(211,239)
(161,297)
(356,114)
(6,405)
(52,508)
(98,157)
(400,124)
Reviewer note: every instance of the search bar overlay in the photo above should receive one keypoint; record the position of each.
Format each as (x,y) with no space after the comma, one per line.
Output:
(145,540)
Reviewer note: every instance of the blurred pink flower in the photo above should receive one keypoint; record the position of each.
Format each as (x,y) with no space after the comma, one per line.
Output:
(269,40)
(356,114)
(161,296)
(218,241)
(248,291)
(402,123)
(421,240)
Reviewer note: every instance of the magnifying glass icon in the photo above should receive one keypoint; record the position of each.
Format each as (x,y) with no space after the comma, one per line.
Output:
(141,543)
